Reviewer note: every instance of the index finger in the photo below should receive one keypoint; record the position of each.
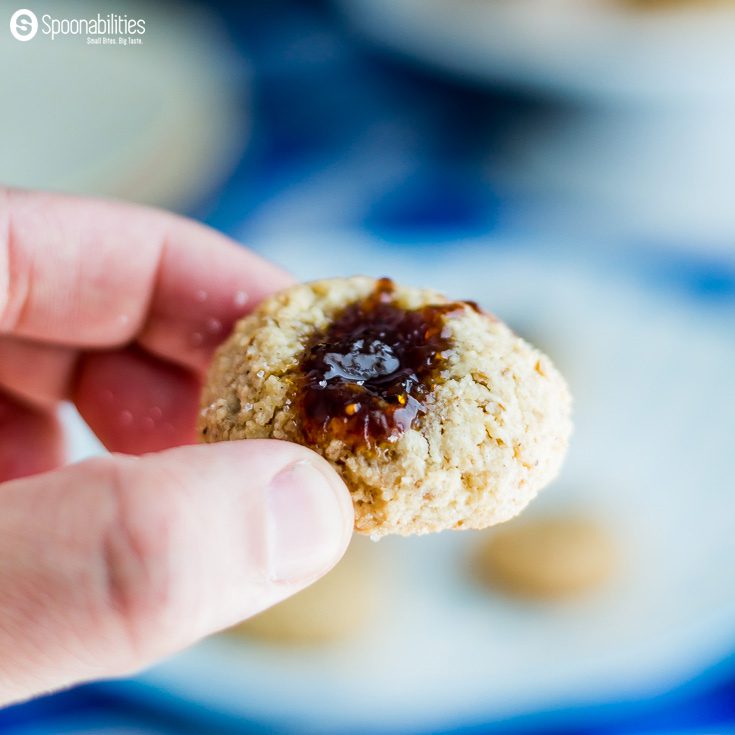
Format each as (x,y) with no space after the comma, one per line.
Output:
(93,273)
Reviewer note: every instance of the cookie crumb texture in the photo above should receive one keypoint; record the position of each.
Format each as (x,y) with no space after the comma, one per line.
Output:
(434,413)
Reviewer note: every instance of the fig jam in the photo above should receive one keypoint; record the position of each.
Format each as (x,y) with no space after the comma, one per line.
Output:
(367,376)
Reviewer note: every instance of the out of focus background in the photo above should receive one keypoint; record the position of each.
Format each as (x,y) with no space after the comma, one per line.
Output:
(569,164)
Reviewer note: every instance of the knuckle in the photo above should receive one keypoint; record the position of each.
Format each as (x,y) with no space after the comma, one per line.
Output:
(139,549)
(16,262)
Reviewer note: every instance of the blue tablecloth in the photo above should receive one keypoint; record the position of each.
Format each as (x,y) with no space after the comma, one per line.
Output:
(344,137)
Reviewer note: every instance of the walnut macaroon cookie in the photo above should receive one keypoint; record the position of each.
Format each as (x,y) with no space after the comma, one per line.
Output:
(433,412)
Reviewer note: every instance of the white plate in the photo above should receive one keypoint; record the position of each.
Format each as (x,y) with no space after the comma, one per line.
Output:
(658,177)
(593,48)
(651,455)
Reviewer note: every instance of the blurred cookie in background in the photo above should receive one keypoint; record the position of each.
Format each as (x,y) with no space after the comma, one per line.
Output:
(673,4)
(334,608)
(547,557)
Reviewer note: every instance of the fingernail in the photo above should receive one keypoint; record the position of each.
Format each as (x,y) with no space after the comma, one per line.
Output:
(306,523)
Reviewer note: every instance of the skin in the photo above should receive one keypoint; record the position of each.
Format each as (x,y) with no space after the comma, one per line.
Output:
(110,563)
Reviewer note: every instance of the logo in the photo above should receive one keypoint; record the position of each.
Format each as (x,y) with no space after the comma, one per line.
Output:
(23,24)
(110,29)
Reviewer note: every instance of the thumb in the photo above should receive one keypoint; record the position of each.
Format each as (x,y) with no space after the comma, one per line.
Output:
(108,564)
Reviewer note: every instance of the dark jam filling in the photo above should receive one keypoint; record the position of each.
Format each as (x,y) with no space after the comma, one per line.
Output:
(366,377)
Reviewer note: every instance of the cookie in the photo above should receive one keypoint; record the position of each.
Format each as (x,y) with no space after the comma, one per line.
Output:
(433,412)
(335,608)
(550,557)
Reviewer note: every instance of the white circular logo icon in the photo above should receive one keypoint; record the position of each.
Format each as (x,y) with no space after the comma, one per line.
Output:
(23,25)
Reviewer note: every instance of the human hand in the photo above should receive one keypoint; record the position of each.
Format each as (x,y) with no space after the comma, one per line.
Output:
(111,563)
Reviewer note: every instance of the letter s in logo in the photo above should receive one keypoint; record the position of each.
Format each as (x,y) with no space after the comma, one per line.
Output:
(23,24)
